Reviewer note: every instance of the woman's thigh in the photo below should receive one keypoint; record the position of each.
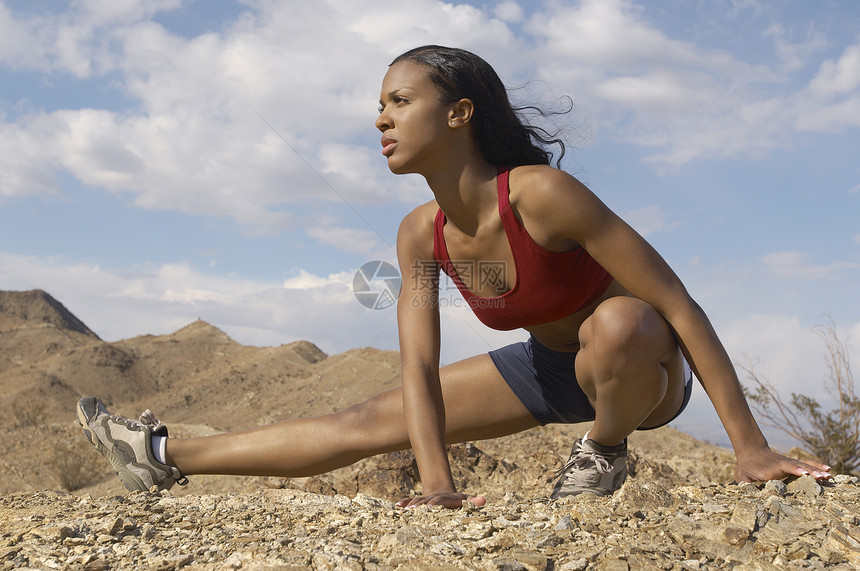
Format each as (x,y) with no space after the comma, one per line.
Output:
(478,405)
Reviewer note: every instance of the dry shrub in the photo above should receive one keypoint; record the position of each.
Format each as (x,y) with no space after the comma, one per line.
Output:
(832,435)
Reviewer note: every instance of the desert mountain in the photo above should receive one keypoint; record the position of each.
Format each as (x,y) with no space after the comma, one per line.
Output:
(30,309)
(196,376)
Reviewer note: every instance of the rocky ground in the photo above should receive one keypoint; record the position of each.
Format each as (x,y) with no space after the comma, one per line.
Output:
(676,511)
(644,526)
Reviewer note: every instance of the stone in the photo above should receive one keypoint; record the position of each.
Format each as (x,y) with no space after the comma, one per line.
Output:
(736,536)
(845,540)
(805,485)
(775,488)
(580,564)
(745,516)
(530,559)
(564,523)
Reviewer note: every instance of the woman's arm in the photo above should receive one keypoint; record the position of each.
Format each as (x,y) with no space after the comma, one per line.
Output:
(418,327)
(572,212)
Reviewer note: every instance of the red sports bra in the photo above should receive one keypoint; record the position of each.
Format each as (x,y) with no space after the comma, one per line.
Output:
(549,285)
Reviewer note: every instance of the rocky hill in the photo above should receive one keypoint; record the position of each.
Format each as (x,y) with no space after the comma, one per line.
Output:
(61,507)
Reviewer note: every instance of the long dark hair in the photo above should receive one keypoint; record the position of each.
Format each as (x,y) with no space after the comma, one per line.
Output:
(502,136)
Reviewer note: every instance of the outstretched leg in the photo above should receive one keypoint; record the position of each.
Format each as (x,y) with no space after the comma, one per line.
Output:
(478,404)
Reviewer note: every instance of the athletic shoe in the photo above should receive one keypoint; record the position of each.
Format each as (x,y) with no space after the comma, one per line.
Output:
(592,468)
(127,445)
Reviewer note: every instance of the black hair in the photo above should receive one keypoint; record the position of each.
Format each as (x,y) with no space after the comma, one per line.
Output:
(504,139)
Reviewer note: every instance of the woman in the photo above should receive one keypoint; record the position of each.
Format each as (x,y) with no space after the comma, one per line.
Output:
(612,327)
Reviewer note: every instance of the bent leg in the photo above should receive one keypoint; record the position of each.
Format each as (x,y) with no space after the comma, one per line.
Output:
(478,404)
(630,367)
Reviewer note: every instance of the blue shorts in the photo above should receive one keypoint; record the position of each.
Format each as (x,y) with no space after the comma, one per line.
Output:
(545,382)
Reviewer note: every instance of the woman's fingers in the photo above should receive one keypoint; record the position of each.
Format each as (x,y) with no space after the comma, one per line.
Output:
(450,501)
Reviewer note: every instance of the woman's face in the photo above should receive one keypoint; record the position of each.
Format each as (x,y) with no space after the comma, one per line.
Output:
(413,122)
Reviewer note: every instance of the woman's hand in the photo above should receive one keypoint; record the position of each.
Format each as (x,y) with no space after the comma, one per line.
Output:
(451,500)
(763,464)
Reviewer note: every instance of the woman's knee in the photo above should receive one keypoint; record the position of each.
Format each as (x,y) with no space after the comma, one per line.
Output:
(626,325)
(375,423)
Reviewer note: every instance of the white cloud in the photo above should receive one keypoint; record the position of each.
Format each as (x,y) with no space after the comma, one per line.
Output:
(685,101)
(658,91)
(831,101)
(794,264)
(783,351)
(611,37)
(509,12)
(425,22)
(840,77)
(108,12)
(306,280)
(365,242)
(464,336)
(24,42)
(77,41)
(237,123)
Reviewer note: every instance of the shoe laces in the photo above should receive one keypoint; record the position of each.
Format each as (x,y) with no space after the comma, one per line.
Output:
(147,418)
(583,465)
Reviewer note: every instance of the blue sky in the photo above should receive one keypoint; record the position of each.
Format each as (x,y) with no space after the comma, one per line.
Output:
(168,160)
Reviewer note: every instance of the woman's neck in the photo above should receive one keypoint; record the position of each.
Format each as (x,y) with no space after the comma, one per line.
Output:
(466,194)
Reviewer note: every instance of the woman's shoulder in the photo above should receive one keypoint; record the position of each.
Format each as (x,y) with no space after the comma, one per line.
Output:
(416,229)
(422,215)
(542,188)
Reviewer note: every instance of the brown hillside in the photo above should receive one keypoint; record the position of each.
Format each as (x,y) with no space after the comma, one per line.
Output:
(35,307)
(196,376)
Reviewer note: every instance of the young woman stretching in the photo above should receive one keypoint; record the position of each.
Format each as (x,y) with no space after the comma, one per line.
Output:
(612,327)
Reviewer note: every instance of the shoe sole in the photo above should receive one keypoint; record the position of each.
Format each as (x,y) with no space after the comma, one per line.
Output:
(129,479)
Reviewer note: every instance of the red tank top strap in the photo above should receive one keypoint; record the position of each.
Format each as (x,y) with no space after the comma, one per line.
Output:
(518,237)
(440,250)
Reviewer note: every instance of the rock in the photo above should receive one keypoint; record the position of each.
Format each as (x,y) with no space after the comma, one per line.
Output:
(578,565)
(805,485)
(845,540)
(776,488)
(564,523)
(644,495)
(745,516)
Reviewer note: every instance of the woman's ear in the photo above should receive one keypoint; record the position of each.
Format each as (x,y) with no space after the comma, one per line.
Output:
(461,112)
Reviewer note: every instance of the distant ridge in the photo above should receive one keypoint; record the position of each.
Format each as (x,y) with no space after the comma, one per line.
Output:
(37,308)
(195,378)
